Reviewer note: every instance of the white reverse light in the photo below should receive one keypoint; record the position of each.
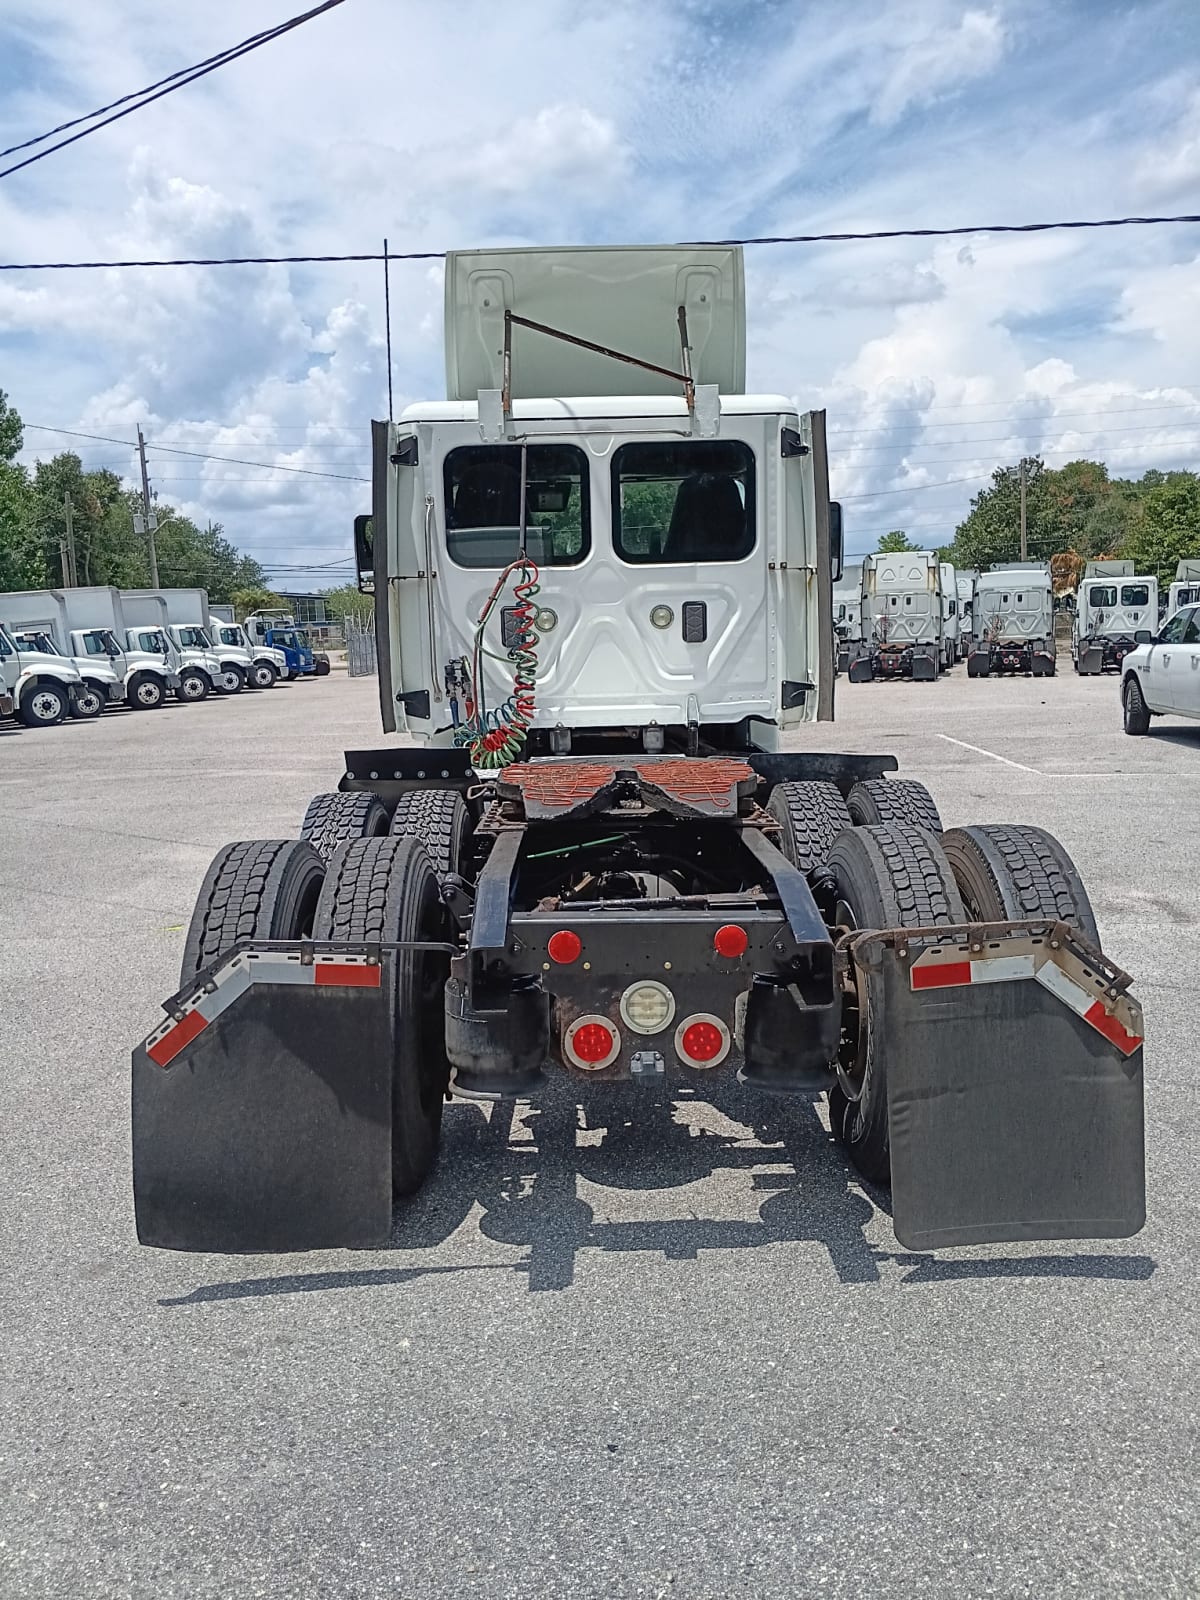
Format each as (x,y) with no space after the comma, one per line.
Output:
(647,1007)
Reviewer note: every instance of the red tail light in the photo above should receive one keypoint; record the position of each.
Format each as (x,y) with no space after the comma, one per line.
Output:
(702,1040)
(564,947)
(731,940)
(591,1042)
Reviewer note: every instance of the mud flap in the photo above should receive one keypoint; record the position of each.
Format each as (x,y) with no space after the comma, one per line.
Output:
(1091,660)
(262,1109)
(1014,1071)
(924,667)
(861,670)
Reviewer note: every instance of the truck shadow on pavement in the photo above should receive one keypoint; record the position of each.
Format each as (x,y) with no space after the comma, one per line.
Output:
(520,1167)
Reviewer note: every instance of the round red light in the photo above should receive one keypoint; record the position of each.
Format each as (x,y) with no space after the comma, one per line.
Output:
(701,1041)
(592,1042)
(564,946)
(731,940)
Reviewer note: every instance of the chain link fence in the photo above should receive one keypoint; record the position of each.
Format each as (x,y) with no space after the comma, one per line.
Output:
(360,647)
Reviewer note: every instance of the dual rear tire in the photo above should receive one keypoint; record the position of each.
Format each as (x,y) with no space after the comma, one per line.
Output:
(904,876)
(373,889)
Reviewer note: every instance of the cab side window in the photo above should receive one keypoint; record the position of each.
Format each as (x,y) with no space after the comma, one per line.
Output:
(1172,633)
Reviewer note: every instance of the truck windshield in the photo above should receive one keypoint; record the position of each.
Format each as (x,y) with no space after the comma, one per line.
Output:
(676,502)
(100,642)
(35,639)
(153,640)
(285,637)
(482,486)
(231,636)
(194,639)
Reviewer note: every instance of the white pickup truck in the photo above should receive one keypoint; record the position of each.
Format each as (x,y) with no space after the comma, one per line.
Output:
(1162,678)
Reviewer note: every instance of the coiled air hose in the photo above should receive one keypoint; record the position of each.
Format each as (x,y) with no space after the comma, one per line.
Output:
(496,738)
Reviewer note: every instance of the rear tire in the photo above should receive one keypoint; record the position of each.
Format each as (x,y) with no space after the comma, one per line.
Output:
(322,669)
(1009,872)
(440,820)
(1137,712)
(811,816)
(892,876)
(333,820)
(256,889)
(386,890)
(146,692)
(880,800)
(263,675)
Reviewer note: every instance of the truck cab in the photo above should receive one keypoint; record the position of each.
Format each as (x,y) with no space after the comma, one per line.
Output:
(277,630)
(1185,591)
(1013,622)
(1116,610)
(902,618)
(950,616)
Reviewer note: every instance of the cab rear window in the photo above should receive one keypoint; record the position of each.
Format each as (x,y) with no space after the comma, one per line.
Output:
(683,501)
(482,487)
(1135,594)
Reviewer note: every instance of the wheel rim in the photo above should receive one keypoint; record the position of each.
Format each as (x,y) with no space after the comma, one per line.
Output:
(89,703)
(230,682)
(193,689)
(45,706)
(147,694)
(262,677)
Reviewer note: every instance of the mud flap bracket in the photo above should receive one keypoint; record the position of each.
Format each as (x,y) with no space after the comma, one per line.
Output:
(262,1108)
(1014,1072)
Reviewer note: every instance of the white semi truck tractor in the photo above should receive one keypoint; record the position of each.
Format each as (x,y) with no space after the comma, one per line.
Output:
(902,618)
(1185,591)
(847,614)
(189,648)
(1116,610)
(950,614)
(1014,622)
(621,845)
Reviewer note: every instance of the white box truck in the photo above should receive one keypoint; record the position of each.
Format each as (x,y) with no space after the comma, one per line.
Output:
(45,686)
(85,625)
(1116,610)
(187,622)
(264,665)
(190,651)
(901,618)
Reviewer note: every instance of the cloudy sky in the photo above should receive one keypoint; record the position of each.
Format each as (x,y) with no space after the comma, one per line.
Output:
(464,123)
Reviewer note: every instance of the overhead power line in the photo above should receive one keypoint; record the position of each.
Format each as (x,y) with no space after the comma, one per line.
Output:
(761,239)
(156,91)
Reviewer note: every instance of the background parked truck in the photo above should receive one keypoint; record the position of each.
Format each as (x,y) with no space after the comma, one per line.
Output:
(902,631)
(1013,621)
(1116,610)
(187,645)
(45,686)
(1185,591)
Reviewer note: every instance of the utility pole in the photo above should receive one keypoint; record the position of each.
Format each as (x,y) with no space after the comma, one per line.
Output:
(1023,509)
(151,519)
(70,566)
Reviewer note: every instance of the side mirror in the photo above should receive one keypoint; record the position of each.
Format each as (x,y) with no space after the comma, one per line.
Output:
(1142,636)
(836,550)
(364,553)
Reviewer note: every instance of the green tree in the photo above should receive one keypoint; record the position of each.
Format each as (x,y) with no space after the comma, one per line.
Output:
(894,543)
(254,598)
(21,562)
(1168,530)
(12,430)
(348,602)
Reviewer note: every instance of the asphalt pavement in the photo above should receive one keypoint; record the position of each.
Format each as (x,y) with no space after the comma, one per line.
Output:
(632,1348)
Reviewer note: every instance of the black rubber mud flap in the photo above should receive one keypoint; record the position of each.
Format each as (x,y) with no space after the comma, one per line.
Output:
(1014,1067)
(924,667)
(262,1109)
(861,670)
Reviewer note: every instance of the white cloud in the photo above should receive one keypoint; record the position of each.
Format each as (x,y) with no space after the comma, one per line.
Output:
(942,61)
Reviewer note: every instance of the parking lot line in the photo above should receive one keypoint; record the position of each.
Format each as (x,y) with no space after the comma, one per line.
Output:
(1020,766)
